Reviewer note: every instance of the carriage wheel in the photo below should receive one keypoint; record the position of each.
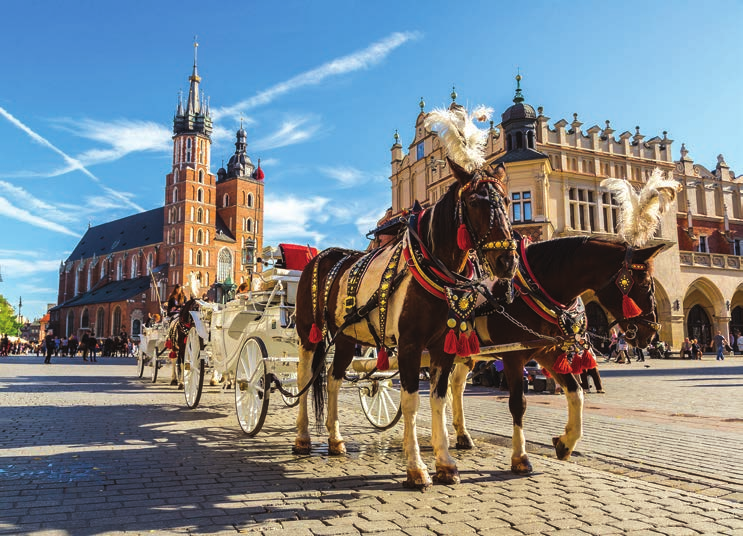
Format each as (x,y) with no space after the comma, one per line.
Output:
(140,364)
(154,366)
(292,387)
(193,369)
(251,395)
(380,402)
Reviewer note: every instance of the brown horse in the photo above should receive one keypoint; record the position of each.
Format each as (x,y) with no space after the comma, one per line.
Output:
(176,341)
(375,299)
(557,272)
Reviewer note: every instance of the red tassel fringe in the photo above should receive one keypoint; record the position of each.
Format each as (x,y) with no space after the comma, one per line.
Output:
(450,344)
(630,308)
(562,366)
(589,361)
(383,359)
(463,347)
(172,355)
(464,240)
(168,344)
(576,367)
(315,334)
(474,343)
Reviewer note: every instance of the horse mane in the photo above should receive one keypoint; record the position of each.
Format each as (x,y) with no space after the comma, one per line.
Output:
(445,226)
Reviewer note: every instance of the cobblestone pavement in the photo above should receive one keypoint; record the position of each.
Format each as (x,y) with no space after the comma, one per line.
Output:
(91,449)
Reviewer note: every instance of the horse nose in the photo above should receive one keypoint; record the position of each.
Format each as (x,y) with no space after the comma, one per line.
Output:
(506,264)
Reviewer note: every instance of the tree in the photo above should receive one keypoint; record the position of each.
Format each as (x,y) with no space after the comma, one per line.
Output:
(8,319)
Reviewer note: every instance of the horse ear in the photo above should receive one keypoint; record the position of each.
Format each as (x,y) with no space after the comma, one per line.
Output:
(647,253)
(459,173)
(499,172)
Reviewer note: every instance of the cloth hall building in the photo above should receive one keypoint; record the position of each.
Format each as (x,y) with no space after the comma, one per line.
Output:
(554,175)
(209,226)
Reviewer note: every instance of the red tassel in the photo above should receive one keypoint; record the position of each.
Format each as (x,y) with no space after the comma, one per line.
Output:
(546,373)
(474,343)
(576,367)
(450,344)
(172,355)
(383,360)
(168,344)
(463,347)
(315,334)
(561,365)
(630,308)
(589,361)
(464,240)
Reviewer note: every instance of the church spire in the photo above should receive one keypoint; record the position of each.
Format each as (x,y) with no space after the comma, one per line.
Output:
(193,105)
(195,117)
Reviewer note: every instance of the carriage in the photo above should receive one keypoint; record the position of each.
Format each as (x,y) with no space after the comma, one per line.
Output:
(152,351)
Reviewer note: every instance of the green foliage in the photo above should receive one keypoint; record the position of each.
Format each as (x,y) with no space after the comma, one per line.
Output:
(8,319)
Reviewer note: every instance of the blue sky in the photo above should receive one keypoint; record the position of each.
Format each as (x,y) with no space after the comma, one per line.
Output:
(89,92)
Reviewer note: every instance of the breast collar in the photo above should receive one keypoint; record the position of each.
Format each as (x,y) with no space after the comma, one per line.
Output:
(427,269)
(571,318)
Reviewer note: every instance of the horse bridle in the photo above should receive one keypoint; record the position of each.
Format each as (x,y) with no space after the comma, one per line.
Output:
(495,198)
(626,270)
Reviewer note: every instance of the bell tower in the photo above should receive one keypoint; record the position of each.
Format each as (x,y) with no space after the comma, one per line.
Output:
(190,191)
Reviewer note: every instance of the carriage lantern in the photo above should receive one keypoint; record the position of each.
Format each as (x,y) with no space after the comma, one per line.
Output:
(248,254)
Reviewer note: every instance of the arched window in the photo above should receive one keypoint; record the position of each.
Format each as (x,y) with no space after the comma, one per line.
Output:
(250,200)
(175,176)
(103,268)
(519,140)
(189,147)
(133,270)
(190,234)
(200,195)
(201,177)
(248,225)
(99,322)
(224,265)
(84,319)
(116,323)
(77,281)
(190,256)
(192,213)
(226,200)
(136,327)
(207,237)
(207,216)
(119,270)
(149,263)
(530,139)
(199,237)
(206,259)
(199,258)
(90,277)
(175,195)
(70,325)
(172,258)
(199,215)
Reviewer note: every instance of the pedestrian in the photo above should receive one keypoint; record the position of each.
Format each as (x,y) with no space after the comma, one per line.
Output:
(593,373)
(740,343)
(686,349)
(639,354)
(50,346)
(622,348)
(720,344)
(696,350)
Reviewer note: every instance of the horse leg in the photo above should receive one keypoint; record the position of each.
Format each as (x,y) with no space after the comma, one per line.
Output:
(174,372)
(446,466)
(302,443)
(513,368)
(458,381)
(344,349)
(565,443)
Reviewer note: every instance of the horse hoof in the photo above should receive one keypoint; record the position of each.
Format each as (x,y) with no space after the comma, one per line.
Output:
(521,466)
(336,448)
(417,480)
(301,447)
(212,383)
(563,452)
(173,382)
(446,475)
(464,442)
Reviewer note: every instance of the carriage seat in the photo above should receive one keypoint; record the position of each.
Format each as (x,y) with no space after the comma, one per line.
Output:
(390,229)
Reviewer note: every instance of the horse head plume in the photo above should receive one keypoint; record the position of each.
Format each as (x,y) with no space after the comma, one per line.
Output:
(464,141)
(640,212)
(194,286)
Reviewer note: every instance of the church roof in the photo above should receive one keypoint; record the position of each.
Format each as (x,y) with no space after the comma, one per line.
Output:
(114,291)
(134,231)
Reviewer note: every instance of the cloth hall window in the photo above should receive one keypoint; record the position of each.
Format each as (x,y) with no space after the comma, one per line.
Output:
(610,211)
(224,265)
(521,206)
(582,209)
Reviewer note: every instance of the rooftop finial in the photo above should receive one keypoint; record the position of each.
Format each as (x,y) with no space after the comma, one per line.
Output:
(518,97)
(397,138)
(453,94)
(195,49)
(422,104)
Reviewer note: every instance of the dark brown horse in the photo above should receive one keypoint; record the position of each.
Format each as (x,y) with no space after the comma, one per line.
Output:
(558,272)
(176,341)
(345,298)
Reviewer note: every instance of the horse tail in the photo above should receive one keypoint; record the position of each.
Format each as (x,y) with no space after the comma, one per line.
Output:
(318,384)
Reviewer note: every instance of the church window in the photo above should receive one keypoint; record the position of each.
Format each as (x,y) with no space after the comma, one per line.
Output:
(190,235)
(99,322)
(582,209)
(70,327)
(149,263)
(521,206)
(226,200)
(199,237)
(206,262)
(199,215)
(103,268)
(90,276)
(190,256)
(200,195)
(133,268)
(419,151)
(172,257)
(207,237)
(85,319)
(248,225)
(250,200)
(116,324)
(77,282)
(175,176)
(192,210)
(201,176)
(224,265)
(199,258)
(119,270)
(175,195)
(188,150)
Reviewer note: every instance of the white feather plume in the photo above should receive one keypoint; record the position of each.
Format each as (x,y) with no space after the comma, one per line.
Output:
(194,285)
(464,141)
(640,212)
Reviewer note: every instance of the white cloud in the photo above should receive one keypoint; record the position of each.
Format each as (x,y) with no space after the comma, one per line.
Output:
(16,268)
(37,206)
(346,176)
(289,218)
(367,222)
(72,162)
(16,213)
(362,59)
(290,132)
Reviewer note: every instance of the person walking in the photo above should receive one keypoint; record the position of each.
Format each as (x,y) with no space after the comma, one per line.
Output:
(50,346)
(720,344)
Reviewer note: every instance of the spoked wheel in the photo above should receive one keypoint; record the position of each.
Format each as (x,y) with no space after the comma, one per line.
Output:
(154,365)
(289,383)
(140,364)
(380,402)
(251,395)
(193,369)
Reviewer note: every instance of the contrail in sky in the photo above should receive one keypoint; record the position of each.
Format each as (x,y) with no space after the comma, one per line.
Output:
(70,160)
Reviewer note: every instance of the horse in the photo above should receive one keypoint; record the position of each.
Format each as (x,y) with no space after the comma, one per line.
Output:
(411,307)
(176,340)
(546,315)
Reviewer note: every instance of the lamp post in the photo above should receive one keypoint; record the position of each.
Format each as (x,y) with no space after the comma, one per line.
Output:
(20,318)
(248,258)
